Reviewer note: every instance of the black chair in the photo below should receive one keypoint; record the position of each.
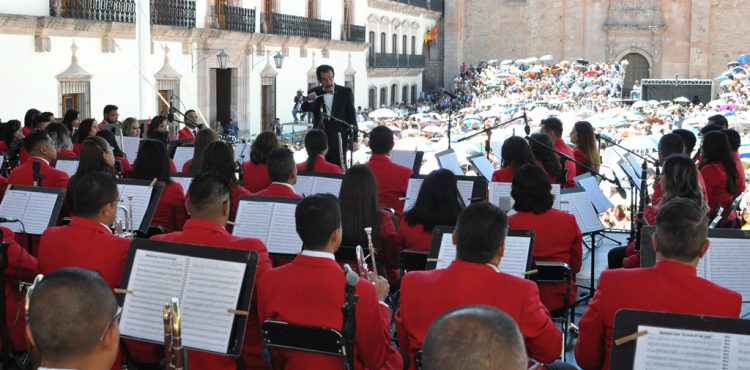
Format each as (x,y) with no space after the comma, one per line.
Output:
(558,273)
(412,260)
(324,341)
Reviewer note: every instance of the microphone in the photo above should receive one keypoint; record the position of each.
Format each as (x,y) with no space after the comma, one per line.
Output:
(506,203)
(36,168)
(526,127)
(9,219)
(444,91)
(620,189)
(604,137)
(352,279)
(170,114)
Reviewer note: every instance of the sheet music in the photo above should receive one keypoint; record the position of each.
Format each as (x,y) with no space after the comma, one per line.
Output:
(309,185)
(634,177)
(502,189)
(449,161)
(206,289)
(304,185)
(412,191)
(497,148)
(447,252)
(600,201)
(69,167)
(130,146)
(724,263)
(272,223)
(466,189)
(667,348)
(578,204)
(18,204)
(182,154)
(484,166)
(184,181)
(633,162)
(516,256)
(405,158)
(239,150)
(141,198)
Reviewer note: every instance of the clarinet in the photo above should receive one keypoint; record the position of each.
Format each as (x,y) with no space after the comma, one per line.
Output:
(641,207)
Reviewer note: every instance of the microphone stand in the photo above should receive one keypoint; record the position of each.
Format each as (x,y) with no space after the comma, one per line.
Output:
(353,134)
(349,327)
(4,334)
(488,132)
(646,158)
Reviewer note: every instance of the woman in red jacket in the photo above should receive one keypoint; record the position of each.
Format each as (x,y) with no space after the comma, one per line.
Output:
(126,169)
(586,151)
(86,129)
(557,237)
(153,163)
(218,157)
(515,153)
(202,139)
(11,131)
(719,172)
(255,171)
(316,145)
(358,200)
(546,159)
(438,204)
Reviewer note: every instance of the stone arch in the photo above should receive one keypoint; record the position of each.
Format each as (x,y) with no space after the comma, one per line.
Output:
(640,66)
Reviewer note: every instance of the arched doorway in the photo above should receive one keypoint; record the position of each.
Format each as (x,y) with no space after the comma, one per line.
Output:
(636,70)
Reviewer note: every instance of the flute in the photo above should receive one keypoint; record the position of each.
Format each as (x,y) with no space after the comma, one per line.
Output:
(368,231)
(341,153)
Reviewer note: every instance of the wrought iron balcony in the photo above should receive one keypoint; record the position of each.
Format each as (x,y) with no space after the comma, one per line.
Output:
(437,5)
(384,60)
(388,60)
(416,61)
(179,13)
(292,25)
(419,3)
(356,33)
(233,18)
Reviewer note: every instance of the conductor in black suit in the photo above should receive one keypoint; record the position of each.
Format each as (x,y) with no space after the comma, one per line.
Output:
(337,101)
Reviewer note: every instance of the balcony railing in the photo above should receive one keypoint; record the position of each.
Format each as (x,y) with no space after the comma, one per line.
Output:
(233,18)
(356,33)
(388,60)
(416,61)
(419,3)
(180,13)
(292,25)
(436,5)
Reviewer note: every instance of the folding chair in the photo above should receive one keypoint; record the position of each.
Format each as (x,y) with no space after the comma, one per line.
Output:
(412,260)
(558,273)
(324,341)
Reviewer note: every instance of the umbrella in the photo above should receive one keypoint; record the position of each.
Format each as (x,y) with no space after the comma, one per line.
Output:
(639,143)
(564,63)
(366,125)
(721,78)
(726,83)
(743,59)
(532,60)
(547,58)
(639,104)
(653,103)
(506,62)
(383,113)
(732,64)
(682,99)
(433,129)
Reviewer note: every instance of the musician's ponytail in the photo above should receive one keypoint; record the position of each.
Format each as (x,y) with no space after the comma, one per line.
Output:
(316,143)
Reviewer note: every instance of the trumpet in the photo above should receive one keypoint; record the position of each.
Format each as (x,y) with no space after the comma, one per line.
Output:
(368,231)
(362,263)
(175,355)
(124,228)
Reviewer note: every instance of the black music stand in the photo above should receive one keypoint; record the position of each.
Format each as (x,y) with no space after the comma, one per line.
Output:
(148,216)
(263,221)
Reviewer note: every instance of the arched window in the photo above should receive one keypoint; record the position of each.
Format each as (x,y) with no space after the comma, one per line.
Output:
(371,54)
(383,96)
(382,42)
(403,44)
(372,98)
(394,46)
(636,70)
(394,89)
(405,94)
(413,45)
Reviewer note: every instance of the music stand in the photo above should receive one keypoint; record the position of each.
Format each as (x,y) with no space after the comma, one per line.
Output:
(309,183)
(270,219)
(68,165)
(576,202)
(477,192)
(156,271)
(182,154)
(130,186)
(184,180)
(408,158)
(36,207)
(448,160)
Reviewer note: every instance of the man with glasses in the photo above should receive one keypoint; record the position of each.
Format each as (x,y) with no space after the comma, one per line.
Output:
(72,321)
(42,150)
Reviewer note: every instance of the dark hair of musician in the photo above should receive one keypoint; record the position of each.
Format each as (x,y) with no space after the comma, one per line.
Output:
(688,138)
(70,116)
(69,311)
(358,200)
(316,142)
(9,131)
(206,190)
(531,190)
(587,144)
(152,162)
(680,179)
(716,150)
(719,120)
(437,203)
(203,138)
(381,140)
(35,140)
(474,337)
(218,157)
(128,124)
(317,217)
(112,141)
(281,165)
(734,138)
(262,146)
(516,152)
(554,125)
(28,118)
(546,157)
(323,68)
(480,230)
(671,144)
(91,160)
(41,119)
(59,135)
(154,125)
(91,192)
(709,128)
(84,129)
(108,108)
(681,229)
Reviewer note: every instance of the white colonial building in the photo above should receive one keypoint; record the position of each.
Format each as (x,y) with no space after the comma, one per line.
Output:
(83,55)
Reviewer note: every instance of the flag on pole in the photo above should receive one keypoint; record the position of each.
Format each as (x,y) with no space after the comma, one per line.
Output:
(429,37)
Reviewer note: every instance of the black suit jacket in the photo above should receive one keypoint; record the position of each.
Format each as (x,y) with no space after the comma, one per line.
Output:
(342,108)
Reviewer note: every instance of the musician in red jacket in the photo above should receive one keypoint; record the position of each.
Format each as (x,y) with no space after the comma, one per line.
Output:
(22,266)
(720,172)
(557,237)
(310,291)
(515,153)
(255,170)
(553,127)
(208,203)
(670,286)
(316,145)
(43,151)
(190,131)
(473,278)
(392,178)
(283,174)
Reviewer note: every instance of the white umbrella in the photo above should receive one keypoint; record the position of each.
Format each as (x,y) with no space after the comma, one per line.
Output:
(639,143)
(506,62)
(433,129)
(682,99)
(383,113)
(639,104)
(547,58)
(532,60)
(366,125)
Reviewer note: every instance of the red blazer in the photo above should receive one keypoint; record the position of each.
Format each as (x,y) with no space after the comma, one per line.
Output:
(580,157)
(77,148)
(385,243)
(458,286)
(66,153)
(413,237)
(740,172)
(170,211)
(669,286)
(716,185)
(504,174)
(570,166)
(53,178)
(172,167)
(127,168)
(204,232)
(320,165)
(3,146)
(255,176)
(310,291)
(186,166)
(277,189)
(186,133)
(21,267)
(557,238)
(392,180)
(27,130)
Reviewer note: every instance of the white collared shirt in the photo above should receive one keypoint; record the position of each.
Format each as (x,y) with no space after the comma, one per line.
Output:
(493,267)
(318,254)
(43,160)
(328,99)
(285,184)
